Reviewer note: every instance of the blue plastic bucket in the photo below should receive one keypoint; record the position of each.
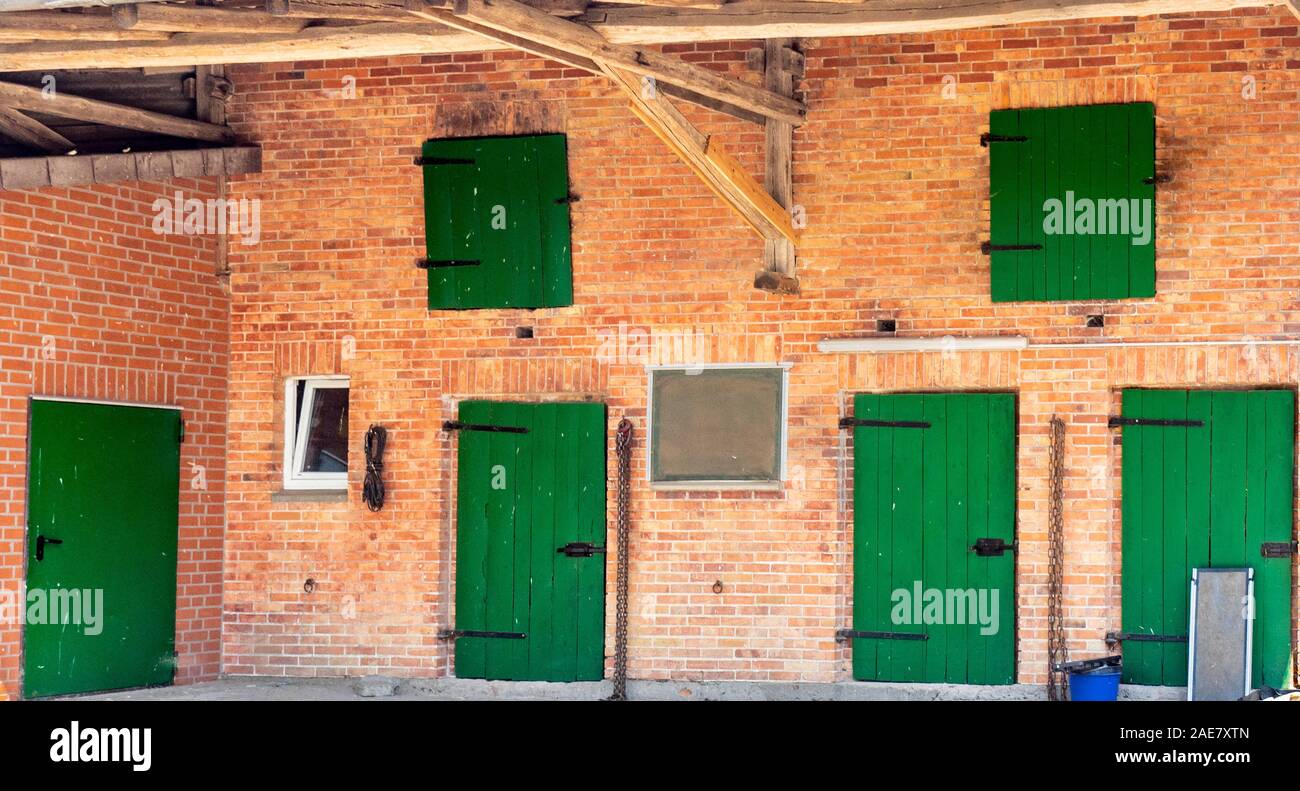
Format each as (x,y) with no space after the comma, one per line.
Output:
(1099,684)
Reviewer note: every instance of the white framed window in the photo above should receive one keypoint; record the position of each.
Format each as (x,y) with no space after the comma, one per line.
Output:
(718,426)
(316,432)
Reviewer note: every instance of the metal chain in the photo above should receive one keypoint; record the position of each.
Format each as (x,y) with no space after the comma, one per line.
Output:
(1056,649)
(623,447)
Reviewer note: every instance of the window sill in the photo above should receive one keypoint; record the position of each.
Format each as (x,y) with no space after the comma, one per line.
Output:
(310,496)
(716,486)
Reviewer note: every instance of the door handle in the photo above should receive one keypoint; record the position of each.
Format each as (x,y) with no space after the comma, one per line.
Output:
(41,541)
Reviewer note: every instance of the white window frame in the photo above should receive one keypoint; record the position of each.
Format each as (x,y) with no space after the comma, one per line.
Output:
(714,485)
(295,434)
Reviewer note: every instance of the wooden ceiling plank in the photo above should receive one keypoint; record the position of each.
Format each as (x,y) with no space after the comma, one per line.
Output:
(198,19)
(60,26)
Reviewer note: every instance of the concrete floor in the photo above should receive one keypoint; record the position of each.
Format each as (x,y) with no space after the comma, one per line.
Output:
(382,688)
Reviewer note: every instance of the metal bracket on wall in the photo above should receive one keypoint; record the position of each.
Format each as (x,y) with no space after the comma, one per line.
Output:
(427,161)
(580,549)
(429,263)
(989,137)
(455,634)
(853,422)
(853,634)
(456,425)
(1116,421)
(988,247)
(1112,638)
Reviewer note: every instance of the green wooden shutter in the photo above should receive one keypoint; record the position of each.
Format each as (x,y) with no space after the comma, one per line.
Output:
(921,499)
(1078,156)
(520,499)
(497,222)
(1205,497)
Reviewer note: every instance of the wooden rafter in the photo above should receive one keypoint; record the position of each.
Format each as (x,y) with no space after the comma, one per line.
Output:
(705,156)
(21,97)
(197,19)
(522,21)
(31,132)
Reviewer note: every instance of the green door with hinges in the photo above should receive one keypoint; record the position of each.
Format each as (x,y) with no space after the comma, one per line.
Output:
(934,477)
(1208,482)
(103,488)
(530,541)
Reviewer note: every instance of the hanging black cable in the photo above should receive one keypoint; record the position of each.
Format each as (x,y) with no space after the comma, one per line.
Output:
(373,492)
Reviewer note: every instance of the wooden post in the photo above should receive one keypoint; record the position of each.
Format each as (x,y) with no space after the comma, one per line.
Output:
(778,274)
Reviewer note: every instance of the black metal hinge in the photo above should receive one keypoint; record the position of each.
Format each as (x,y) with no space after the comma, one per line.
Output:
(424,161)
(854,634)
(430,263)
(1142,637)
(579,549)
(456,425)
(1278,549)
(455,634)
(988,247)
(854,422)
(1159,178)
(992,547)
(567,199)
(989,137)
(1116,421)
(180,431)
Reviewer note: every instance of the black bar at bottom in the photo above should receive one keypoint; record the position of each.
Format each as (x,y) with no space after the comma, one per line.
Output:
(1116,421)
(853,634)
(429,263)
(1141,637)
(456,425)
(453,634)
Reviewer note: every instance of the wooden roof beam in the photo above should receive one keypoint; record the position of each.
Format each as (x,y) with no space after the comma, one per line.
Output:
(201,19)
(528,23)
(33,133)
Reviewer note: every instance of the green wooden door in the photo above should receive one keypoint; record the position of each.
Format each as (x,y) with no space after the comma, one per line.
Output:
(105,481)
(922,496)
(522,498)
(1205,497)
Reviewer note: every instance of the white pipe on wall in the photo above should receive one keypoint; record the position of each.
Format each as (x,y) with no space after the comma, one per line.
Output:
(1001,343)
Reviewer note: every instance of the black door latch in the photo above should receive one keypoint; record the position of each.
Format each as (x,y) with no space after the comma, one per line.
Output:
(579,549)
(41,541)
(992,547)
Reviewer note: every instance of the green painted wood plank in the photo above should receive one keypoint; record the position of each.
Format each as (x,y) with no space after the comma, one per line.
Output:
(1142,154)
(1114,216)
(934,527)
(519,486)
(544,557)
(1027,214)
(867,470)
(956,549)
(1132,562)
(1004,202)
(567,483)
(886,501)
(589,452)
(471,540)
(908,655)
(1228,481)
(1034,125)
(1172,404)
(500,507)
(1273,591)
(977,523)
(1052,254)
(1152,620)
(1002,524)
(553,190)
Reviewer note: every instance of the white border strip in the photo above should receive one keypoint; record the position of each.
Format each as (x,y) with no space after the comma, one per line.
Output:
(102,402)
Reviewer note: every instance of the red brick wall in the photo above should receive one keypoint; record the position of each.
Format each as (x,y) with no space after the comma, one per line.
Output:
(93,304)
(894,184)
